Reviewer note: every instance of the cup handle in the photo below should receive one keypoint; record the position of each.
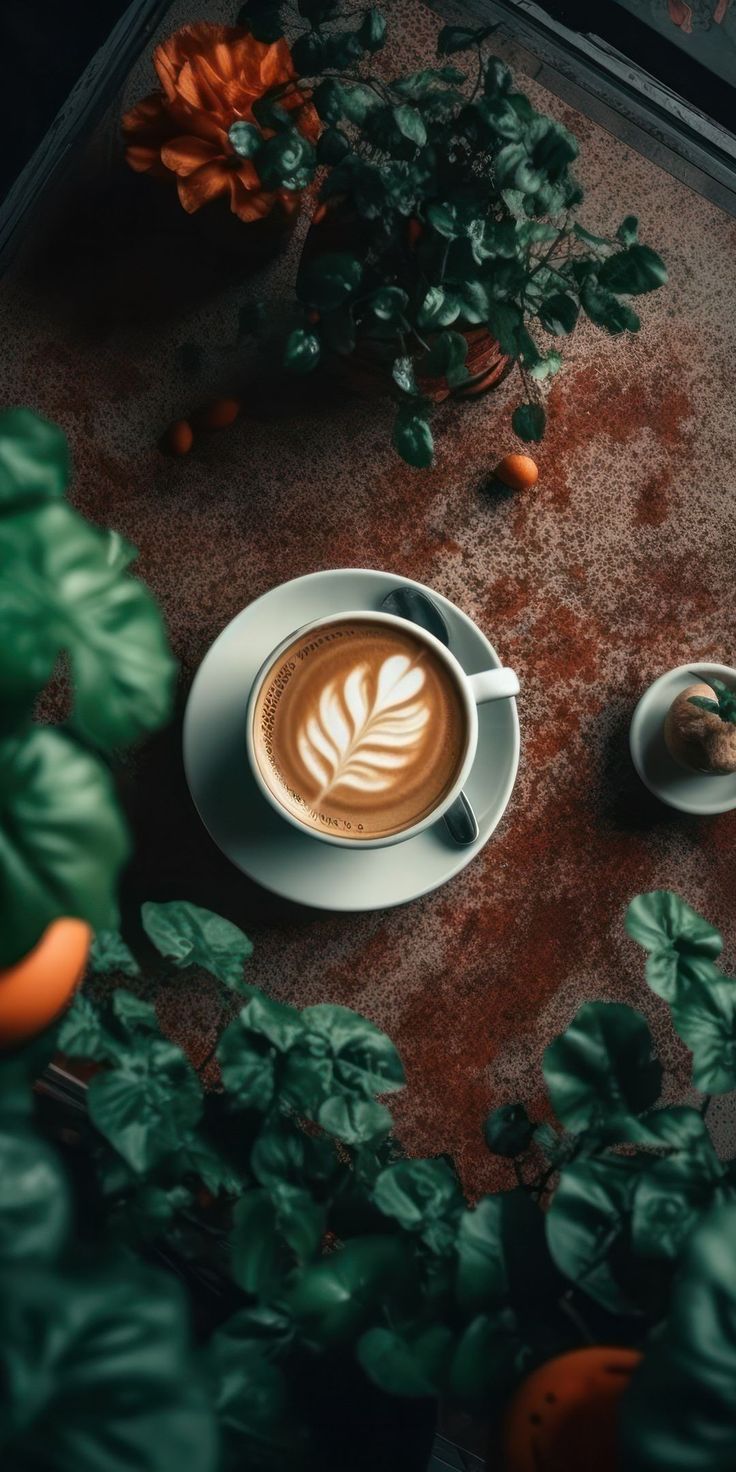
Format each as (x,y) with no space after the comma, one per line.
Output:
(493,685)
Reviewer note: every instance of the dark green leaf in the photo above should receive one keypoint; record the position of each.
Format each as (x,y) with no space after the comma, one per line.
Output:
(419,85)
(406,1366)
(263,19)
(605,309)
(628,230)
(247,1067)
(446,359)
(559,313)
(246,138)
(334,1298)
(82,1033)
(682,946)
(372,32)
(402,373)
(422,1196)
(365,1059)
(389,303)
(189,935)
(588,1217)
(332,145)
(497,78)
(328,282)
(439,308)
(34,459)
(508,1130)
(601,1073)
(302,352)
(588,237)
(504,321)
(501,1252)
(63,841)
(704,1014)
(109,954)
(459,38)
(250,1398)
(287,161)
(355,1121)
(409,123)
(678,1412)
(146,1103)
(101,1372)
(528,422)
(35,1211)
(412,436)
(133,1014)
(633,271)
(258,1256)
(670,1199)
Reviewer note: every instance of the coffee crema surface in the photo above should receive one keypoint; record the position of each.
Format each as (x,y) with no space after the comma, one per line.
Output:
(359,729)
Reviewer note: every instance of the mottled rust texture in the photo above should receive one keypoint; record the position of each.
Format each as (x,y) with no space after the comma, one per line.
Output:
(617,566)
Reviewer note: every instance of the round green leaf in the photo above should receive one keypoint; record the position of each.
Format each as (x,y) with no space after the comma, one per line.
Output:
(587,1220)
(388,303)
(147,1102)
(633,271)
(528,421)
(191,936)
(704,1015)
(34,459)
(365,1059)
(332,146)
(302,351)
(110,955)
(246,138)
(682,945)
(678,1411)
(62,578)
(559,313)
(287,161)
(258,1256)
(372,31)
(605,309)
(412,436)
(328,281)
(410,123)
(502,1252)
(508,1130)
(670,1199)
(247,1067)
(98,1373)
(35,1212)
(355,1121)
(419,1194)
(601,1073)
(257,1424)
(63,841)
(406,1366)
(333,1298)
(402,373)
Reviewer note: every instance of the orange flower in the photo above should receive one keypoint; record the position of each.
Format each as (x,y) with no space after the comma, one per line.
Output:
(210,76)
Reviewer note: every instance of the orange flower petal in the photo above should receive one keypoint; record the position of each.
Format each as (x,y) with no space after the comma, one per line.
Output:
(249,204)
(185,155)
(203,185)
(147,118)
(145,160)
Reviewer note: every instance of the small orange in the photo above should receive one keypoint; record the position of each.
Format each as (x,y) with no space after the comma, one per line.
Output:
(519,472)
(179,437)
(218,415)
(563,1417)
(38,987)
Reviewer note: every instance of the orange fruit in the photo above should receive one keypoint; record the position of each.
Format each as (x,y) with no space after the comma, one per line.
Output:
(38,987)
(519,472)
(179,437)
(563,1417)
(218,415)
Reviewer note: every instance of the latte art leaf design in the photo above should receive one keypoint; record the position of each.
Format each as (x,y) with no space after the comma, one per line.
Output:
(363,739)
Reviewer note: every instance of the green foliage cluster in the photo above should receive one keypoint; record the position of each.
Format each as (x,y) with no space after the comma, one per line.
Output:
(331,1246)
(724,704)
(67,600)
(458,204)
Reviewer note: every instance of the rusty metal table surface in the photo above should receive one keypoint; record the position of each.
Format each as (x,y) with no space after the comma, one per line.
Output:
(619,565)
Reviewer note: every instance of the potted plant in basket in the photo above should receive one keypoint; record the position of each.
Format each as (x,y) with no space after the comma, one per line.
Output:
(445,239)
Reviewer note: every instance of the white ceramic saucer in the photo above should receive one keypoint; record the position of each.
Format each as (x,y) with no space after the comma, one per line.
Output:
(691,792)
(243,824)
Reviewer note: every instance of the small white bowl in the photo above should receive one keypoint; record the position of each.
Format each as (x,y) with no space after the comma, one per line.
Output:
(692,792)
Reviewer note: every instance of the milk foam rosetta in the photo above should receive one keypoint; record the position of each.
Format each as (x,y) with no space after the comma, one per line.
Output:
(359,729)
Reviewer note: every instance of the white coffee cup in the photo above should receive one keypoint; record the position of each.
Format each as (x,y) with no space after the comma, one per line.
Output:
(474,690)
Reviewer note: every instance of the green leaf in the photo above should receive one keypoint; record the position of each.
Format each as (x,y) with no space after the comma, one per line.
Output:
(258,1257)
(589,1216)
(678,1411)
(246,138)
(497,78)
(34,459)
(61,579)
(704,1015)
(628,230)
(250,1398)
(682,946)
(546,367)
(504,321)
(601,1073)
(528,422)
(284,1154)
(355,1121)
(412,436)
(439,308)
(586,235)
(109,954)
(487,1357)
(501,1252)
(670,1199)
(605,309)
(365,1059)
(302,351)
(332,146)
(35,1210)
(459,38)
(133,1013)
(189,935)
(82,1033)
(334,1298)
(287,160)
(402,373)
(101,1373)
(508,1130)
(446,359)
(559,313)
(389,303)
(633,271)
(300,1219)
(263,19)
(328,281)
(422,84)
(247,1067)
(372,31)
(406,1366)
(410,123)
(423,1196)
(63,841)
(146,1103)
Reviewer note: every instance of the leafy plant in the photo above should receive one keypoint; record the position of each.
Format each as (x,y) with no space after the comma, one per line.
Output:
(330,1250)
(66,598)
(724,705)
(449,205)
